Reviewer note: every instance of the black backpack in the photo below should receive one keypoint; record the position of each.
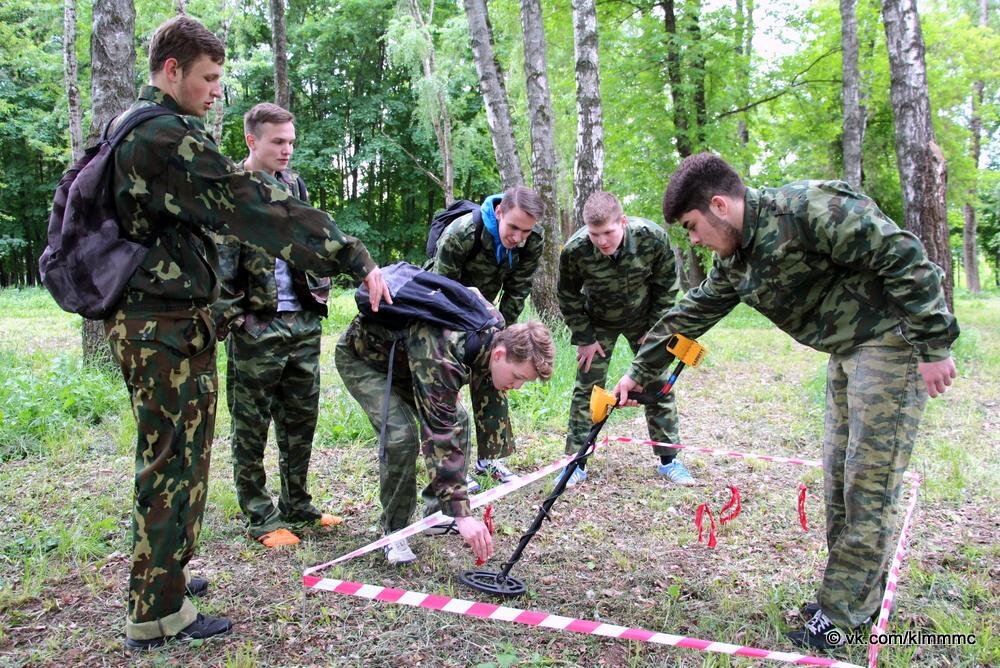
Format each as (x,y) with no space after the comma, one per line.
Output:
(418,294)
(88,261)
(456,210)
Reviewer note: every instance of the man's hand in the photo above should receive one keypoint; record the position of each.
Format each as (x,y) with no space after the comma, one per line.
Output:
(937,375)
(477,536)
(624,386)
(377,288)
(585,355)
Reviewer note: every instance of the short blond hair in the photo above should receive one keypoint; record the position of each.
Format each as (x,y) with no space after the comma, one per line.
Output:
(601,207)
(529,341)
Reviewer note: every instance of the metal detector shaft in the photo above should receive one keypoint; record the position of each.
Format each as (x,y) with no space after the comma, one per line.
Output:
(560,487)
(557,491)
(603,403)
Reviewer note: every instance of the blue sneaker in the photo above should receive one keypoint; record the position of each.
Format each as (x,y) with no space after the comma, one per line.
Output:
(577,477)
(676,473)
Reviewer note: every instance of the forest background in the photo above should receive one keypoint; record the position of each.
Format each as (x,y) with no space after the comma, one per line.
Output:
(371,82)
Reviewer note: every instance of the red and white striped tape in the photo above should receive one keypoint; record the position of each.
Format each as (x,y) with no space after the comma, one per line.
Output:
(543,619)
(892,580)
(732,453)
(724,453)
(536,618)
(475,501)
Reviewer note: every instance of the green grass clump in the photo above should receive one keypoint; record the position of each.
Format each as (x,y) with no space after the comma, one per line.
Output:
(47,400)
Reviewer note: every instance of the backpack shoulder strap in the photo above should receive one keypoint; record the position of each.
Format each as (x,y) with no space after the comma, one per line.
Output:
(477,235)
(133,120)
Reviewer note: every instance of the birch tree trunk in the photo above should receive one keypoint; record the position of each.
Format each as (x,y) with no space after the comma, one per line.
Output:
(279,45)
(71,79)
(180,6)
(543,155)
(970,253)
(491,85)
(854,113)
(922,170)
(588,170)
(112,91)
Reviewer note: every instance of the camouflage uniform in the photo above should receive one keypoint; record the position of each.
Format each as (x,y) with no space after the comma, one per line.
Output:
(603,297)
(826,266)
(456,259)
(471,261)
(273,372)
(430,368)
(172,187)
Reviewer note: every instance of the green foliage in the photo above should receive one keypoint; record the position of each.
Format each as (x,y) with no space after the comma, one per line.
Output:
(361,103)
(34,145)
(43,400)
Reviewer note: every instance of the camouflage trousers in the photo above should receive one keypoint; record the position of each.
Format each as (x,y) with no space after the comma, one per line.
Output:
(661,418)
(365,379)
(874,399)
(275,376)
(168,362)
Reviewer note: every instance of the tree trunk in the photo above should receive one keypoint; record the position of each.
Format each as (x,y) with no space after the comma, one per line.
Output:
(744,47)
(697,71)
(543,155)
(491,85)
(180,6)
(854,113)
(112,81)
(588,171)
(219,108)
(673,63)
(922,170)
(279,44)
(969,241)
(690,273)
(71,79)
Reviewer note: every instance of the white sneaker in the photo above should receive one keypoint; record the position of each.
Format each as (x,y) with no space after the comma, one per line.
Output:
(496,468)
(399,552)
(577,477)
(472,485)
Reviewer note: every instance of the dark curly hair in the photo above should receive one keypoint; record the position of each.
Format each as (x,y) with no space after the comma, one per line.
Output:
(698,179)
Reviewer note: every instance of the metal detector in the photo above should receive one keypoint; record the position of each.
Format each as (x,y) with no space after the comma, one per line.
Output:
(602,403)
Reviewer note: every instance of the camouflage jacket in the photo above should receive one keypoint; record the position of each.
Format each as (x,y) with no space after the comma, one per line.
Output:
(826,266)
(248,283)
(172,188)
(482,271)
(633,288)
(431,363)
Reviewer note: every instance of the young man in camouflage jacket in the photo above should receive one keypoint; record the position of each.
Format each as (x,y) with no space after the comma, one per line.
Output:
(172,188)
(424,413)
(273,353)
(821,262)
(616,278)
(500,259)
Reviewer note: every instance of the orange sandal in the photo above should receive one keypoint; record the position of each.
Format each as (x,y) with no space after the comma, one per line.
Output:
(328,520)
(278,538)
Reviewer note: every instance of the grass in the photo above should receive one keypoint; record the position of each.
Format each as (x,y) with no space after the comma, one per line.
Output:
(622,549)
